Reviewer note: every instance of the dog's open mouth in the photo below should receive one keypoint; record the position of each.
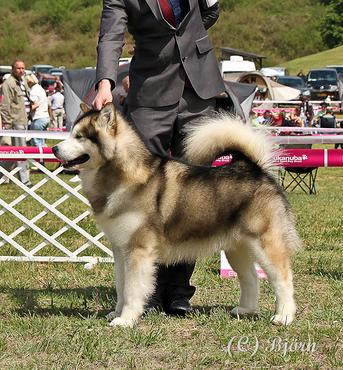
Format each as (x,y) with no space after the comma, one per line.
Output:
(79,160)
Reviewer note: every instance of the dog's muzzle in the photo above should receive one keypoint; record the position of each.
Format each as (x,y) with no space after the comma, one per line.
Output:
(70,163)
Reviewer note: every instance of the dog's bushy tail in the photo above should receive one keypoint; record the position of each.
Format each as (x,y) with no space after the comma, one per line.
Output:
(211,137)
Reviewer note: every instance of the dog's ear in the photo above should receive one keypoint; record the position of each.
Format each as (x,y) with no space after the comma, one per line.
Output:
(107,116)
(85,108)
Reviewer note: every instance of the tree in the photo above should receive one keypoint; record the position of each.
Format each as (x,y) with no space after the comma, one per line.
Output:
(332,26)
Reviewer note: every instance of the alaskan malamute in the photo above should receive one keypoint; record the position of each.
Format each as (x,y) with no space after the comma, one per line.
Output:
(156,210)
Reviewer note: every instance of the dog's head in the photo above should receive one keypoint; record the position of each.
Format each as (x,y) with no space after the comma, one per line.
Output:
(92,140)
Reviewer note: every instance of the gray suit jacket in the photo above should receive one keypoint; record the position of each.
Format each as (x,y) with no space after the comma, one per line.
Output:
(164,55)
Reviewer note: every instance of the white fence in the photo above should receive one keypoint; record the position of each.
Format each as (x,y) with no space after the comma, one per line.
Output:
(49,221)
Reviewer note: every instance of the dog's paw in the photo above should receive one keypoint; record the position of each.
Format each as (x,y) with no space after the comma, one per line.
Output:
(242,312)
(118,321)
(112,315)
(282,319)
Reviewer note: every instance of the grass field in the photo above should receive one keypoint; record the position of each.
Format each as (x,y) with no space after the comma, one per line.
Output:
(318,60)
(52,316)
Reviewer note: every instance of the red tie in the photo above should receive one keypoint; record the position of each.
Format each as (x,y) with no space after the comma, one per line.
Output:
(167,12)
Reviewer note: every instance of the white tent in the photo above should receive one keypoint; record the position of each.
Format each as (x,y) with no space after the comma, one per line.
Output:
(271,89)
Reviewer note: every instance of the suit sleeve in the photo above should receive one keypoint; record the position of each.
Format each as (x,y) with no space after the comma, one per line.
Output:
(111,40)
(209,12)
(5,108)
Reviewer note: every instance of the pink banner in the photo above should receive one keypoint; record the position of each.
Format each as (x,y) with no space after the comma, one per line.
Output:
(25,150)
(273,110)
(300,158)
(335,157)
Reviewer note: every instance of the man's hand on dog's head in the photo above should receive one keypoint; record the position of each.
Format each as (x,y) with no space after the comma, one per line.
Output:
(103,96)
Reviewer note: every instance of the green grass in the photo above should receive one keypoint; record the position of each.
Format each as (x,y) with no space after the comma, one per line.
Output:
(318,60)
(64,32)
(52,316)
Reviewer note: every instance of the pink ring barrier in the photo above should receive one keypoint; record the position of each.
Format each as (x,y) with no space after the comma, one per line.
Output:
(19,150)
(300,158)
(284,158)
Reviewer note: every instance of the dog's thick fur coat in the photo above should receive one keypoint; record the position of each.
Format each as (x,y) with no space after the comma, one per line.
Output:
(157,210)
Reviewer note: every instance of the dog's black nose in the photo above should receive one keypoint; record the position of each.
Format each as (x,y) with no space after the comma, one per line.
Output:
(55,149)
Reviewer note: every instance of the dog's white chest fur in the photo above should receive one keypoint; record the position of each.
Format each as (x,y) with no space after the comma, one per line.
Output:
(120,229)
(119,218)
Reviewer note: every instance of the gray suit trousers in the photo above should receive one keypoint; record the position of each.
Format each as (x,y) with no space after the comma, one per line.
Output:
(162,128)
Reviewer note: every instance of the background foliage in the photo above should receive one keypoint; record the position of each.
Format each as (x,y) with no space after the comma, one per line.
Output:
(64,32)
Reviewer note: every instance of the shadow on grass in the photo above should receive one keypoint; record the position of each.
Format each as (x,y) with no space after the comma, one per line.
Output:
(76,302)
(208,311)
(334,274)
(85,302)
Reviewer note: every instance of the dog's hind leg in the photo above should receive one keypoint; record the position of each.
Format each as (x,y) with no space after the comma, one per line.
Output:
(274,258)
(242,262)
(140,265)
(120,277)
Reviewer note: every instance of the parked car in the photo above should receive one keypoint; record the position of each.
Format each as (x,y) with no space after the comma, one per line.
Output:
(57,72)
(4,70)
(293,81)
(274,71)
(339,69)
(39,69)
(323,83)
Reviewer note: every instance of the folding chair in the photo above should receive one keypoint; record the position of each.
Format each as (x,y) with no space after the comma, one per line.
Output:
(303,178)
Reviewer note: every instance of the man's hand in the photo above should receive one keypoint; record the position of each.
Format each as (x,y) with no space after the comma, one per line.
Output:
(103,96)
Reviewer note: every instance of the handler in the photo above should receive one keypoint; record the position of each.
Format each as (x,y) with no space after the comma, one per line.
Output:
(174,78)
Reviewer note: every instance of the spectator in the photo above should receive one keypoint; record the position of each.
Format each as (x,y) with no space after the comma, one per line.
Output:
(327,119)
(301,75)
(296,119)
(268,118)
(15,109)
(121,98)
(279,118)
(57,107)
(308,110)
(40,108)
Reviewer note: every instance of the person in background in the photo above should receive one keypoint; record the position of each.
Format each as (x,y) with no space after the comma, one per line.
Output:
(15,109)
(169,88)
(40,108)
(57,106)
(301,75)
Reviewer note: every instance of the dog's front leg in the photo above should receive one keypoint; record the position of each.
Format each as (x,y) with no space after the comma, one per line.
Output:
(138,285)
(119,283)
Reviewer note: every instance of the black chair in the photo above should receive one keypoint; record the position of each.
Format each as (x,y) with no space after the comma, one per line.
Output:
(303,178)
(328,121)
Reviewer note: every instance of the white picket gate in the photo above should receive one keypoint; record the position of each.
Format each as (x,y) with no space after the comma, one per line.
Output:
(51,220)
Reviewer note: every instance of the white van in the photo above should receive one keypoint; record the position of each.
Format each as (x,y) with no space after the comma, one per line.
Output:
(236,64)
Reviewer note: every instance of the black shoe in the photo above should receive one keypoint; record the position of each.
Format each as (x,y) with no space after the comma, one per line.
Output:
(154,305)
(179,306)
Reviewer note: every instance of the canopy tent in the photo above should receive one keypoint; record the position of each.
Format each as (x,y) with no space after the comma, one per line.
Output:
(269,89)
(79,86)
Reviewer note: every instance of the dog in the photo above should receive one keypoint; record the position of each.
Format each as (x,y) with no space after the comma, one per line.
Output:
(163,210)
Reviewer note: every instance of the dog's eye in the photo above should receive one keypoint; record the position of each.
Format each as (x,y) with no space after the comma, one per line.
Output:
(78,136)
